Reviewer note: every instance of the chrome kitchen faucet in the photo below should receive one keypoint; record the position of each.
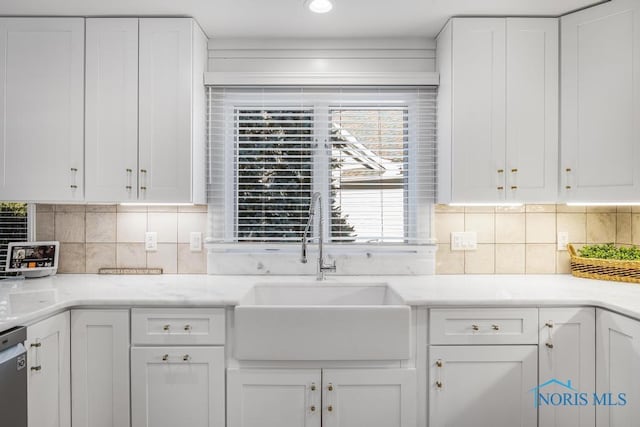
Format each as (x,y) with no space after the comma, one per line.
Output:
(322,267)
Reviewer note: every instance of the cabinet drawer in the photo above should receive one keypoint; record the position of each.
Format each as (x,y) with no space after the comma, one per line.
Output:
(484,326)
(177,326)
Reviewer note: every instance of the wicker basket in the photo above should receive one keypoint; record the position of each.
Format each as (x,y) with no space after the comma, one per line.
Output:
(604,269)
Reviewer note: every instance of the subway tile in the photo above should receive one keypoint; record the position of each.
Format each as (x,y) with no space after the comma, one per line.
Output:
(540,208)
(510,228)
(101,227)
(446,223)
(479,209)
(483,224)
(69,227)
(510,258)
(623,228)
(602,209)
(448,261)
(540,258)
(165,224)
(45,226)
(162,208)
(42,207)
(100,255)
(192,208)
(440,208)
(601,227)
(510,209)
(571,209)
(131,255)
(131,208)
(70,208)
(71,258)
(166,257)
(131,226)
(102,208)
(540,228)
(480,261)
(563,262)
(191,262)
(188,222)
(575,224)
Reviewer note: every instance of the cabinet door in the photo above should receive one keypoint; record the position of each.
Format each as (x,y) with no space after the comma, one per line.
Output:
(177,386)
(273,398)
(567,353)
(111,139)
(478,135)
(369,397)
(41,109)
(532,109)
(601,103)
(165,109)
(618,368)
(100,377)
(49,402)
(482,386)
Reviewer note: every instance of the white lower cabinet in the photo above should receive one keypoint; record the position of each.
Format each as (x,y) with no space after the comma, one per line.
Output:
(100,375)
(49,391)
(567,356)
(328,397)
(618,369)
(474,386)
(274,397)
(177,386)
(369,397)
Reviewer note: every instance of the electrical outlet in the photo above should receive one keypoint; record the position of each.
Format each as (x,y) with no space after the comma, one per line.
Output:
(464,241)
(195,241)
(563,240)
(151,241)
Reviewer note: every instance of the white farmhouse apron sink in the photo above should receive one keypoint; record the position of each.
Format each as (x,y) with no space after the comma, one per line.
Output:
(322,321)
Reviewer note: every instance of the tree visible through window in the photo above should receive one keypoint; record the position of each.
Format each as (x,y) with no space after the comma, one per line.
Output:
(274,179)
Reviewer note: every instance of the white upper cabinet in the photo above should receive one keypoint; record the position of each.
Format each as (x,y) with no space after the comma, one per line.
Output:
(497,106)
(41,109)
(111,136)
(600,159)
(173,54)
(532,110)
(145,110)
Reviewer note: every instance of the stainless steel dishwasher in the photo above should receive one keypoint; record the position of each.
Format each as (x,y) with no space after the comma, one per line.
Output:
(13,378)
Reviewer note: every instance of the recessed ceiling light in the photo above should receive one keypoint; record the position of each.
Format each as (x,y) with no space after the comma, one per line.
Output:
(319,6)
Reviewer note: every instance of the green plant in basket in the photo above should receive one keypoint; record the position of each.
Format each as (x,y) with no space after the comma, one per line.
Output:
(610,251)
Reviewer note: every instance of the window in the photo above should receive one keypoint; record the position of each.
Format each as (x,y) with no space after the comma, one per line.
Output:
(369,152)
(14,227)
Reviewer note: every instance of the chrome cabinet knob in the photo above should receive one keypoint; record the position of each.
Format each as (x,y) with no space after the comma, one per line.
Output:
(186,358)
(549,345)
(330,387)
(313,408)
(313,386)
(36,368)
(166,327)
(495,327)
(330,408)
(439,384)
(165,357)
(187,327)
(439,363)
(475,327)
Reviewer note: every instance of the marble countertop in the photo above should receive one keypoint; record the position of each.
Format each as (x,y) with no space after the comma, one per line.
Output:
(23,302)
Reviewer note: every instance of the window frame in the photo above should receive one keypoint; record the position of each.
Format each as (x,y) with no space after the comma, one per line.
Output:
(321,160)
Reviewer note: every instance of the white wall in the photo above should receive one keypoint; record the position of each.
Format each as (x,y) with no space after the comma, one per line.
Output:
(328,55)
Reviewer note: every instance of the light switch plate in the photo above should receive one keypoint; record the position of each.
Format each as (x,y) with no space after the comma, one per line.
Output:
(151,241)
(464,241)
(195,241)
(563,240)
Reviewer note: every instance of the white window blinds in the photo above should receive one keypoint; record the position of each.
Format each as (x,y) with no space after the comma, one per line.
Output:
(14,227)
(369,152)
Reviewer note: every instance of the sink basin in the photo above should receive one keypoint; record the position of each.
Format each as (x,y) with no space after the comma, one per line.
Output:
(320,321)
